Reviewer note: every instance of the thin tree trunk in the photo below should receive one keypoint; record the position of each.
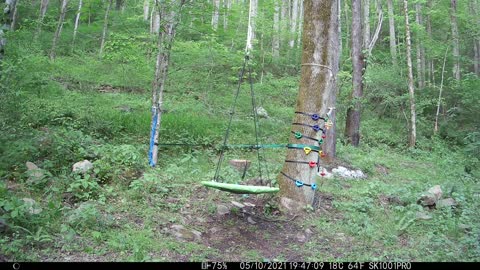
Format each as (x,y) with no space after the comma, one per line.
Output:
(376,34)
(317,92)
(340,43)
(300,23)
(105,27)
(119,4)
(435,129)
(215,14)
(146,10)
(430,69)
(420,49)
(352,128)
(276,31)
(411,89)
(165,42)
(155,18)
(284,22)
(293,23)
(252,18)
(77,21)
(456,45)
(227,5)
(43,11)
(366,23)
(391,24)
(58,32)
(476,40)
(6,20)
(347,25)
(15,15)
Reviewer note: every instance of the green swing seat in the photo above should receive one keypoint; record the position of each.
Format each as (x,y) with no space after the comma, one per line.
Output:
(240,189)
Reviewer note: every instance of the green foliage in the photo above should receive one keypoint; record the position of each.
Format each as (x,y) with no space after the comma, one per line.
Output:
(85,188)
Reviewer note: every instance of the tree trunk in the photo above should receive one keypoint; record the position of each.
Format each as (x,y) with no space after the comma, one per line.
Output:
(293,23)
(300,23)
(276,31)
(215,14)
(391,24)
(58,32)
(366,23)
(15,15)
(456,45)
(420,49)
(119,4)
(284,22)
(340,43)
(347,25)
(165,42)
(77,20)
(105,27)
(352,128)
(252,13)
(155,18)
(476,40)
(227,5)
(6,20)
(411,89)
(435,129)
(43,11)
(430,69)
(376,34)
(317,92)
(146,10)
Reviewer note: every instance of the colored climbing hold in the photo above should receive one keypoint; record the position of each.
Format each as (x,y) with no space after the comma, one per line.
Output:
(298,183)
(324,136)
(328,124)
(312,164)
(322,173)
(315,117)
(314,186)
(322,154)
(307,150)
(316,127)
(320,141)
(298,135)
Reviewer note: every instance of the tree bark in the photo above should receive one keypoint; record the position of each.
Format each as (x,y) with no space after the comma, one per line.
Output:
(376,34)
(215,14)
(293,23)
(284,22)
(227,5)
(146,10)
(165,42)
(43,11)
(317,92)
(391,24)
(119,4)
(476,40)
(420,50)
(6,21)
(366,23)
(300,23)
(58,32)
(155,18)
(435,129)
(276,31)
(77,21)
(352,128)
(411,89)
(105,27)
(456,44)
(430,68)
(15,15)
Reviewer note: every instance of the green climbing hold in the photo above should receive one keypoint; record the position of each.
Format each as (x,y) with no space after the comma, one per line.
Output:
(298,135)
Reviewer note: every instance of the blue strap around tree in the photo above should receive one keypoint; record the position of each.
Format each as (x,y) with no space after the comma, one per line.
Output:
(152,139)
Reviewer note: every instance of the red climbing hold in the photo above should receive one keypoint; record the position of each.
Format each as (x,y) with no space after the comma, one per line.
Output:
(312,164)
(324,136)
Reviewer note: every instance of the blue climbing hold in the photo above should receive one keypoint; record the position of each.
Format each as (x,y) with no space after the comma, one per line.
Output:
(314,186)
(298,183)
(315,117)
(316,127)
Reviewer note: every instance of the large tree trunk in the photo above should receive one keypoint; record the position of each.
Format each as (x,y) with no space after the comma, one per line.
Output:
(58,32)
(165,42)
(391,24)
(215,14)
(43,11)
(347,24)
(456,44)
(411,89)
(317,92)
(352,128)
(276,31)
(105,27)
(420,50)
(155,18)
(77,21)
(146,10)
(366,23)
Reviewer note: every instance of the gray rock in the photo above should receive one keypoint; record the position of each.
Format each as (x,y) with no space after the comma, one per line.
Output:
(82,167)
(449,202)
(182,233)
(251,221)
(308,231)
(32,206)
(423,216)
(262,113)
(301,238)
(430,197)
(222,210)
(34,173)
(237,204)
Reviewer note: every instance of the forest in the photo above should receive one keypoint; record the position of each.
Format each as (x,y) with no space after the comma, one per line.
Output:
(239,130)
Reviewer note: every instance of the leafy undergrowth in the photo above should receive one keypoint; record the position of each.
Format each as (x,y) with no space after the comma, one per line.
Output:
(125,211)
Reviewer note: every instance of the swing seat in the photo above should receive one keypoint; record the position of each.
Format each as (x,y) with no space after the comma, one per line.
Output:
(240,189)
